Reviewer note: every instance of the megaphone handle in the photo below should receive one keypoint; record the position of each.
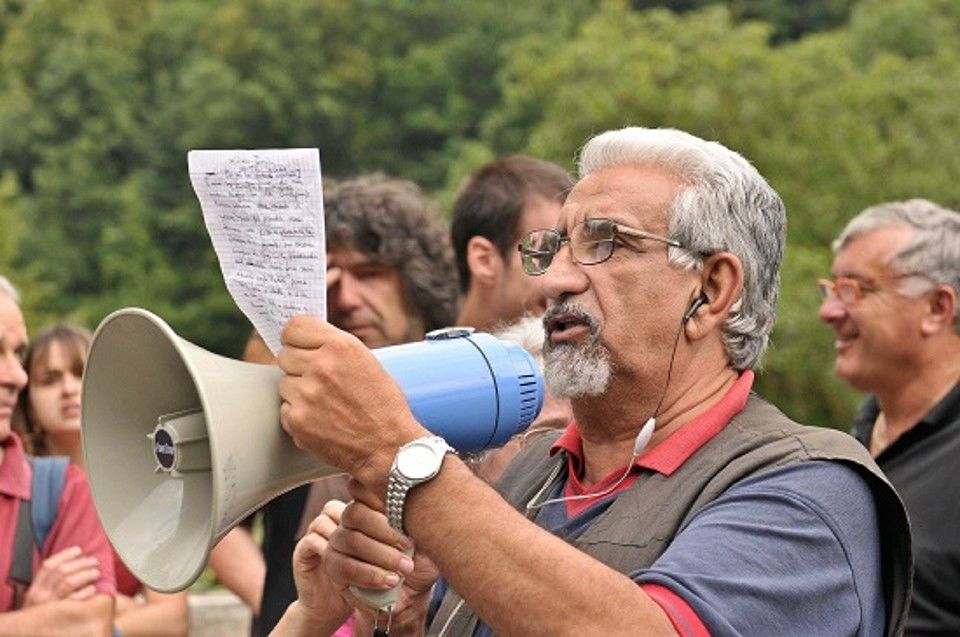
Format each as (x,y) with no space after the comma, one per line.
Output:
(381,600)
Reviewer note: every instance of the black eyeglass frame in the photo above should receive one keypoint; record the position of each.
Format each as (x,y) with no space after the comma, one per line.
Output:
(527,254)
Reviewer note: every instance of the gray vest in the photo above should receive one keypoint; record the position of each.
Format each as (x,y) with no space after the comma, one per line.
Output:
(758,439)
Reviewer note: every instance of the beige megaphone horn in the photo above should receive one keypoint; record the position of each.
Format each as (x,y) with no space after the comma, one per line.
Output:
(165,489)
(181,444)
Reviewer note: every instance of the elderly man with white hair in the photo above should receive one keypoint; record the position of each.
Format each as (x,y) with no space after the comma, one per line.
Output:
(677,502)
(64,585)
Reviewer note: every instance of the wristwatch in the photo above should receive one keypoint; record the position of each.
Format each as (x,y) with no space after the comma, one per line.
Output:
(415,463)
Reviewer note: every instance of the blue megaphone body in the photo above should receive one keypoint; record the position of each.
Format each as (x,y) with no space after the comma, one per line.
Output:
(474,390)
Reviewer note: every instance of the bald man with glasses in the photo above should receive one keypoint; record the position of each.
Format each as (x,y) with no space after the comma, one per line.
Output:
(677,503)
(893,309)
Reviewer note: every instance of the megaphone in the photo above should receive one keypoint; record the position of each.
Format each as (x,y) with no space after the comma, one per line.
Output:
(181,444)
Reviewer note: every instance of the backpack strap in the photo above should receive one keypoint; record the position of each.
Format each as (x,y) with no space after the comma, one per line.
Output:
(48,477)
(21,566)
(36,516)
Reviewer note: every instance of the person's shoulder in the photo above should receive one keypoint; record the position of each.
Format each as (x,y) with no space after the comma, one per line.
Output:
(817,476)
(832,500)
(75,478)
(76,494)
(837,491)
(803,441)
(785,514)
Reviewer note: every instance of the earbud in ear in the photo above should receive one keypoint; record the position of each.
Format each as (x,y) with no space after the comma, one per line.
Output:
(695,305)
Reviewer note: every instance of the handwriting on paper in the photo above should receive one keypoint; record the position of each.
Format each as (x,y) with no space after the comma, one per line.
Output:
(264,212)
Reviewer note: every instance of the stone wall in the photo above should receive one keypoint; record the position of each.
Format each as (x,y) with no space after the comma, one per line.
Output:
(218,613)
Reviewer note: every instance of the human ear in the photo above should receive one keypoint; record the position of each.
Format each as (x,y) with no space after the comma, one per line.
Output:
(721,282)
(941,306)
(484,261)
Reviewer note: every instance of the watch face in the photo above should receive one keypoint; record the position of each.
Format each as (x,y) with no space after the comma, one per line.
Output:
(418,462)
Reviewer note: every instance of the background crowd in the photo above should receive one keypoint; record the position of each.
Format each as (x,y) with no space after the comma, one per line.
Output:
(841,105)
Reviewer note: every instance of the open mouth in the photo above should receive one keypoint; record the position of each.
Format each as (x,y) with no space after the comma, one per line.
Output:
(843,344)
(844,340)
(562,324)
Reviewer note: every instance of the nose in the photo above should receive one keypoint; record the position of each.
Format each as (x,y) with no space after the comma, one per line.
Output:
(832,309)
(564,276)
(345,295)
(12,373)
(71,384)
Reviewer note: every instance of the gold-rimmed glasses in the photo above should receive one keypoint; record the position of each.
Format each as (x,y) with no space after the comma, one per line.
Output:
(849,290)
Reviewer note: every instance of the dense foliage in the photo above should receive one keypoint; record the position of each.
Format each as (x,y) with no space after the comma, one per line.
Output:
(842,104)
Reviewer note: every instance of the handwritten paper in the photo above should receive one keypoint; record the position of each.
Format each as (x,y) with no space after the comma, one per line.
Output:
(264,212)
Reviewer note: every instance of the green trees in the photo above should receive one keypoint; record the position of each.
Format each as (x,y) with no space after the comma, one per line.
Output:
(836,121)
(841,105)
(100,101)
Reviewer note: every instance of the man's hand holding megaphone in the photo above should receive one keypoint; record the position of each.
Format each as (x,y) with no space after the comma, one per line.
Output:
(339,402)
(327,411)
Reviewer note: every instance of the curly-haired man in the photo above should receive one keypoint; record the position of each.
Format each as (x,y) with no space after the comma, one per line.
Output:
(389,281)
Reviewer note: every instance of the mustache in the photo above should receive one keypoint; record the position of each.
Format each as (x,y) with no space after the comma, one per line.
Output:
(569,312)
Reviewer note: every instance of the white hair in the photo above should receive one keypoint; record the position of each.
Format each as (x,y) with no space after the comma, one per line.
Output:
(724,205)
(528,333)
(8,290)
(933,251)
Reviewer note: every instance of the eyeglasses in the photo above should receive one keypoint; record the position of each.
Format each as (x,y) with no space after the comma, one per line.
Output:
(850,291)
(591,242)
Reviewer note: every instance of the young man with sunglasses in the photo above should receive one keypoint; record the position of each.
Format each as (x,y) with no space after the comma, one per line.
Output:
(678,502)
(893,308)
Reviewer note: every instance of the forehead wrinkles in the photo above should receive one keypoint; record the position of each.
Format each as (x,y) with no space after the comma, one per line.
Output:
(12,330)
(867,257)
(629,194)
(641,215)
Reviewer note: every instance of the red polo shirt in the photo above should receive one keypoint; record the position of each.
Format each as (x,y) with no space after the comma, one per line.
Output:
(665,458)
(76,524)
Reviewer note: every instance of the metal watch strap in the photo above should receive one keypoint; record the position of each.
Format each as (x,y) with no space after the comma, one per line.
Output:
(399,485)
(397,488)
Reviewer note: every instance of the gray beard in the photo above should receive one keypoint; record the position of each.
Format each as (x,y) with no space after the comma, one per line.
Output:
(573,371)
